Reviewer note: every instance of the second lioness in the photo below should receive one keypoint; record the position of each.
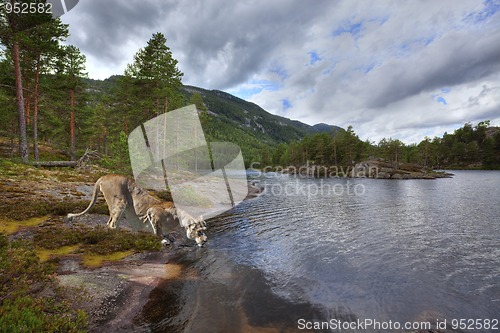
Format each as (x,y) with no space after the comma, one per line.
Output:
(124,197)
(163,216)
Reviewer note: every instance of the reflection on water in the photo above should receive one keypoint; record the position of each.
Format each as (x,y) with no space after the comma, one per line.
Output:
(401,251)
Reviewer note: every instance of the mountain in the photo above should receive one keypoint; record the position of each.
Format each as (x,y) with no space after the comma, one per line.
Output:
(322,127)
(252,119)
(235,120)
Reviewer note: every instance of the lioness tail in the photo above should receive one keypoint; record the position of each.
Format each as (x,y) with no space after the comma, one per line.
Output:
(97,187)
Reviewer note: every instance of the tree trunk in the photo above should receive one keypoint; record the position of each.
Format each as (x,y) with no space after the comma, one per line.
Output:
(72,125)
(23,141)
(35,109)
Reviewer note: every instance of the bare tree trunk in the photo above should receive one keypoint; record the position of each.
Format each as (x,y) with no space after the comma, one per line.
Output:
(35,110)
(23,141)
(72,125)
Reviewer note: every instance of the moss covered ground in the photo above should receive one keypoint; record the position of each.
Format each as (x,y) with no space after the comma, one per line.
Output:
(33,238)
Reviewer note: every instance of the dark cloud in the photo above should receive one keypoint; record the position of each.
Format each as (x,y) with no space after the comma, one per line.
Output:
(239,39)
(451,61)
(101,28)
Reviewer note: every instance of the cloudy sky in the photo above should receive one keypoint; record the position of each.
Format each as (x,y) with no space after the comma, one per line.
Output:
(400,69)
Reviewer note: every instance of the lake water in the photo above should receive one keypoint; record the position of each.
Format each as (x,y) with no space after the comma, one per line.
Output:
(345,249)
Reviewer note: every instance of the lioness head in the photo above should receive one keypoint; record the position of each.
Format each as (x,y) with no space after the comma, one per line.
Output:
(196,231)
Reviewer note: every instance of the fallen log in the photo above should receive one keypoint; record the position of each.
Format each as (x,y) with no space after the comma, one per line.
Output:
(48,164)
(82,162)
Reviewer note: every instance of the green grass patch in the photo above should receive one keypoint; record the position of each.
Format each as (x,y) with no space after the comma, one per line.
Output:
(10,227)
(27,209)
(98,240)
(46,254)
(96,260)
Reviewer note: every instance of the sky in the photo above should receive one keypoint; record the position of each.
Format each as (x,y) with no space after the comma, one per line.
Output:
(399,69)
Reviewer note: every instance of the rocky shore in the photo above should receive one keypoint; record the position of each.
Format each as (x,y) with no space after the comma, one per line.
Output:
(383,170)
(372,168)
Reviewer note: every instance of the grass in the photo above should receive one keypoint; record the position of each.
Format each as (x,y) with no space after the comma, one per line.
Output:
(27,269)
(96,260)
(46,254)
(10,227)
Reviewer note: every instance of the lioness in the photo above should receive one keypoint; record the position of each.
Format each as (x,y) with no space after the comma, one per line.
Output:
(162,217)
(124,197)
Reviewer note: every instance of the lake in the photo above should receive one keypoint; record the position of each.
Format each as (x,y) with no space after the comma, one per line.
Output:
(311,250)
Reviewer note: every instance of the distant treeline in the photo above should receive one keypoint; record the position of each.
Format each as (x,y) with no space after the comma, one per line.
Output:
(468,147)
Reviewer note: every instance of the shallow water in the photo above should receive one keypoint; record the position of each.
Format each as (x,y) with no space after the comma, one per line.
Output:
(317,249)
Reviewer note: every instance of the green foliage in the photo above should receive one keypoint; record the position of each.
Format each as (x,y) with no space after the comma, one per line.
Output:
(197,100)
(70,65)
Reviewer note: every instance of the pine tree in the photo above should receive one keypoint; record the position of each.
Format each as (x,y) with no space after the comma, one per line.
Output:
(155,71)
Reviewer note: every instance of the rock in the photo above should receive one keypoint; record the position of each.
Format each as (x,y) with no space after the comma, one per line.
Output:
(377,168)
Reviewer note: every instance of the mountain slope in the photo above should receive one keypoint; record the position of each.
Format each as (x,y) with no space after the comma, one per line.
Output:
(252,119)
